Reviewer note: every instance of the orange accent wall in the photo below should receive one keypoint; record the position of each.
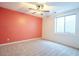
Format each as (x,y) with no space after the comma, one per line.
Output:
(16,26)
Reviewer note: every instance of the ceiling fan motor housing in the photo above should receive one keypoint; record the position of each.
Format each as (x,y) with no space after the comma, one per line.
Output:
(40,6)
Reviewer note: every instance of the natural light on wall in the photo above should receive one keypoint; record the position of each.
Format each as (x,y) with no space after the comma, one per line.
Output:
(65,24)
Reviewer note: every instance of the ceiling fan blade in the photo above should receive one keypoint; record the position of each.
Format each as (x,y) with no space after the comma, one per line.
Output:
(39,10)
(46,11)
(29,5)
(33,12)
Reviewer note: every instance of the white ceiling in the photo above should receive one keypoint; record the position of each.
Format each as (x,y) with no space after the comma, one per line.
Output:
(63,6)
(58,7)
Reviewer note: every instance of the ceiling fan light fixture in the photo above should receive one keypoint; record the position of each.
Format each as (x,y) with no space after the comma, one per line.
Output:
(41,6)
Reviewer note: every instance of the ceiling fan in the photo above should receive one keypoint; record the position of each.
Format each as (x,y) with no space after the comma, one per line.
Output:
(40,7)
(37,8)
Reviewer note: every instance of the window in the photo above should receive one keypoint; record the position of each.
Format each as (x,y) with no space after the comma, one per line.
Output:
(65,24)
(60,24)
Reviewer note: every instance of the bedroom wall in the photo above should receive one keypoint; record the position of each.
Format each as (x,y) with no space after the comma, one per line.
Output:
(65,38)
(16,26)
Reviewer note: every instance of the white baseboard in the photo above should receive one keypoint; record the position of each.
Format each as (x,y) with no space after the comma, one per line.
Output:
(19,41)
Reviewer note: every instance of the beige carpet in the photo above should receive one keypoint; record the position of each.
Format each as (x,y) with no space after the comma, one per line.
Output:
(37,48)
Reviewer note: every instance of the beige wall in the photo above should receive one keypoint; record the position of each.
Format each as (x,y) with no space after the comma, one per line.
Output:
(67,39)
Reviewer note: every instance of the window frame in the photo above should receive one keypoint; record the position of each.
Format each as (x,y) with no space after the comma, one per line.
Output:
(64,23)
